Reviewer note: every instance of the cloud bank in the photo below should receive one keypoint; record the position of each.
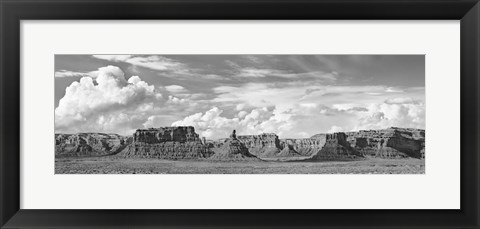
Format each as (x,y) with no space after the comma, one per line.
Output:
(292,96)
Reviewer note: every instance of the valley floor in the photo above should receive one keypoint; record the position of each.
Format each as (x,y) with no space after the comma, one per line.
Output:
(115,165)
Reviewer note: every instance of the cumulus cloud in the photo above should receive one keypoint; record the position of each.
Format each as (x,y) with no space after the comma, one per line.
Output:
(387,114)
(299,110)
(240,106)
(242,114)
(213,125)
(299,122)
(103,103)
(335,129)
(175,100)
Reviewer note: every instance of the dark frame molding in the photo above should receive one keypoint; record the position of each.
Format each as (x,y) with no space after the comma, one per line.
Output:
(12,11)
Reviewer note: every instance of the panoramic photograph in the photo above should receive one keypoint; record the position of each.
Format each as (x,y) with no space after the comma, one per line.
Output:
(239,114)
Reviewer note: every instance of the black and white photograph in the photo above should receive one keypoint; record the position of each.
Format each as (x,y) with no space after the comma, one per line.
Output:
(239,114)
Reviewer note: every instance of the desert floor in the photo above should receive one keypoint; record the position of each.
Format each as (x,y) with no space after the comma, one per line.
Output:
(114,165)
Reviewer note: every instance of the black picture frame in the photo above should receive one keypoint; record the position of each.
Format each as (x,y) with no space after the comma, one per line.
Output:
(13,11)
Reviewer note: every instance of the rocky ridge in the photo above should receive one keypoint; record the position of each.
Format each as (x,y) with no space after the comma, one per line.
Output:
(89,144)
(389,143)
(183,142)
(336,147)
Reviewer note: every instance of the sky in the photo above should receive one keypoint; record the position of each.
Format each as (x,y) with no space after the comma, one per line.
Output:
(294,96)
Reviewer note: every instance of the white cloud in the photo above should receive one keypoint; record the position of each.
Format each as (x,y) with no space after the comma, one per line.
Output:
(335,129)
(107,103)
(155,121)
(152,62)
(65,73)
(93,74)
(213,125)
(315,109)
(260,73)
(393,90)
(166,66)
(386,115)
(254,72)
(240,107)
(155,62)
(175,100)
(175,89)
(297,123)
(114,58)
(402,100)
(242,114)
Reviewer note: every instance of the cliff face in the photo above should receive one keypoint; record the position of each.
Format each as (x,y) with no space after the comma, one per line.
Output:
(89,144)
(263,145)
(167,143)
(304,146)
(389,143)
(336,147)
(326,146)
(183,143)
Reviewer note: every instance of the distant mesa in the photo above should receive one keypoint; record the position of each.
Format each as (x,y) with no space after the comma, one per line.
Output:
(167,143)
(182,142)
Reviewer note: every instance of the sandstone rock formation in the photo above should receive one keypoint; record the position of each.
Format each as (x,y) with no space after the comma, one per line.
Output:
(89,144)
(336,147)
(304,146)
(389,143)
(270,146)
(232,149)
(179,134)
(263,145)
(179,142)
(183,143)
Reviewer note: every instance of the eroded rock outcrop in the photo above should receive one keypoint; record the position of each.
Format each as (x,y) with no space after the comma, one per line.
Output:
(326,147)
(89,144)
(304,146)
(386,143)
(263,145)
(232,149)
(183,143)
(180,142)
(336,147)
(389,143)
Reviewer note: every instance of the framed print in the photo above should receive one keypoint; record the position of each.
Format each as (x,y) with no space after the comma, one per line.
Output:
(239,114)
